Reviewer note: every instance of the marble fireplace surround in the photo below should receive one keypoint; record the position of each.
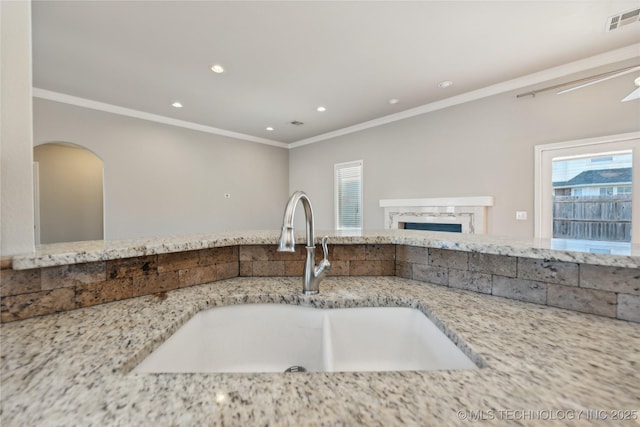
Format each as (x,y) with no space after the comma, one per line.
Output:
(469,212)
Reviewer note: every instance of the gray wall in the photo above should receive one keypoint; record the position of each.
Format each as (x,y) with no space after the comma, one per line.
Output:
(70,193)
(16,159)
(481,148)
(161,180)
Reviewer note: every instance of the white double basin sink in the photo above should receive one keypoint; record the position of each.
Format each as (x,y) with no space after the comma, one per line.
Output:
(280,337)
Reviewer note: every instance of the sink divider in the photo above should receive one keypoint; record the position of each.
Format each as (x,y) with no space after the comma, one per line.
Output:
(327,349)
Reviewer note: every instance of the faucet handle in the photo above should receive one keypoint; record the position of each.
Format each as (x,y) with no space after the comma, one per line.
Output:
(324,265)
(325,251)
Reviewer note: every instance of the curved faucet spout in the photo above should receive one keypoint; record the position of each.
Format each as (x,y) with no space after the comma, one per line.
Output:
(287,238)
(287,243)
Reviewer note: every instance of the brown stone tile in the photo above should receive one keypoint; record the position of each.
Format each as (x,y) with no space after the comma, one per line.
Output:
(197,275)
(227,270)
(177,261)
(253,253)
(372,268)
(103,292)
(23,306)
(338,268)
(128,267)
(614,279)
(299,255)
(14,282)
(347,252)
(501,265)
(449,258)
(561,273)
(268,268)
(585,300)
(412,254)
(388,268)
(404,269)
(218,255)
(270,253)
(145,285)
(66,276)
(294,268)
(246,268)
(431,274)
(5,262)
(520,289)
(380,252)
(470,280)
(629,307)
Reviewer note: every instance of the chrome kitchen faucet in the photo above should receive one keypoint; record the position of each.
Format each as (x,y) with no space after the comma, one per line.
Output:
(312,274)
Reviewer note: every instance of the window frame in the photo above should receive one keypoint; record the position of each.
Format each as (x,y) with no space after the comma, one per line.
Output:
(336,194)
(544,154)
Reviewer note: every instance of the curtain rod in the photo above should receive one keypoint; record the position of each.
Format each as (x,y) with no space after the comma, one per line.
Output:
(584,81)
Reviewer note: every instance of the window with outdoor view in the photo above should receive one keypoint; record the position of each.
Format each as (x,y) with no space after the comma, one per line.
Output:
(592,197)
(348,195)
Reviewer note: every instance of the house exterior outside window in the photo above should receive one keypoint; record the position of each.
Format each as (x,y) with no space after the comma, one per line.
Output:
(603,182)
(592,198)
(592,222)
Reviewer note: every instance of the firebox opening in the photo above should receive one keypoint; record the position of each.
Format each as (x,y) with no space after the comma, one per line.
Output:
(432,226)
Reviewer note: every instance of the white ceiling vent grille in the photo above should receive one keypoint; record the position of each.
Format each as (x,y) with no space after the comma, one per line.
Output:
(623,19)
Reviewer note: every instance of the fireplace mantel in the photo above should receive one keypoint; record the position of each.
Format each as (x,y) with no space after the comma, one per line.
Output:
(470,212)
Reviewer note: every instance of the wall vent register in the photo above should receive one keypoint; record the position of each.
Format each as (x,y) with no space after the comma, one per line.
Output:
(623,19)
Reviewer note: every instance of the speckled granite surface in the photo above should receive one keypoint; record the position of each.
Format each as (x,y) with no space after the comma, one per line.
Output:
(544,366)
(99,250)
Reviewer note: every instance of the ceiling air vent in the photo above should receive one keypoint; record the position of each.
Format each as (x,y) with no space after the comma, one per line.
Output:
(296,123)
(623,19)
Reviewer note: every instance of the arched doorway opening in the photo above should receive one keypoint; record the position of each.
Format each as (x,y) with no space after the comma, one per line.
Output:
(69,193)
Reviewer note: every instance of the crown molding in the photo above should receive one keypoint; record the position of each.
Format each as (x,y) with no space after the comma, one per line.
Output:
(617,55)
(109,108)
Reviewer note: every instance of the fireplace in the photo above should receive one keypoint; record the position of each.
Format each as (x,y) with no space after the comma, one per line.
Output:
(431,226)
(453,214)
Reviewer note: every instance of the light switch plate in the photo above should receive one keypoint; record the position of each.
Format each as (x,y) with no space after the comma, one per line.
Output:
(521,215)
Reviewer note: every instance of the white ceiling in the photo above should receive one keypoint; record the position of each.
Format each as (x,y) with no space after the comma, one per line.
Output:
(283,59)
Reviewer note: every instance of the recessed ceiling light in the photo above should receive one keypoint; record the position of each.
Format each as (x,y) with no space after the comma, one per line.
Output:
(393,101)
(269,128)
(217,68)
(176,104)
(445,84)
(321,109)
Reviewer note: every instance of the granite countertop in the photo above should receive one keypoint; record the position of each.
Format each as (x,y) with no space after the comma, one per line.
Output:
(542,365)
(619,255)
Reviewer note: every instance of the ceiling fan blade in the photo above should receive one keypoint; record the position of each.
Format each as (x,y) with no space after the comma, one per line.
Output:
(633,95)
(602,79)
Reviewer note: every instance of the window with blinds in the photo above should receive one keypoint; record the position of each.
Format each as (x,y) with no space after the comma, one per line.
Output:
(348,195)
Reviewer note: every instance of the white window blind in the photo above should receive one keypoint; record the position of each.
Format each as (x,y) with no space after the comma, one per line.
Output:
(348,195)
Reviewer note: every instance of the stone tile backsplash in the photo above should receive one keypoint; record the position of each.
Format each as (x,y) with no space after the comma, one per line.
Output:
(600,290)
(542,270)
(520,289)
(346,260)
(629,307)
(29,293)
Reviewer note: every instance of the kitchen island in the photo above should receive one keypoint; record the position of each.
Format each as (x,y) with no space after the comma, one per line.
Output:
(66,276)
(539,365)
(537,320)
